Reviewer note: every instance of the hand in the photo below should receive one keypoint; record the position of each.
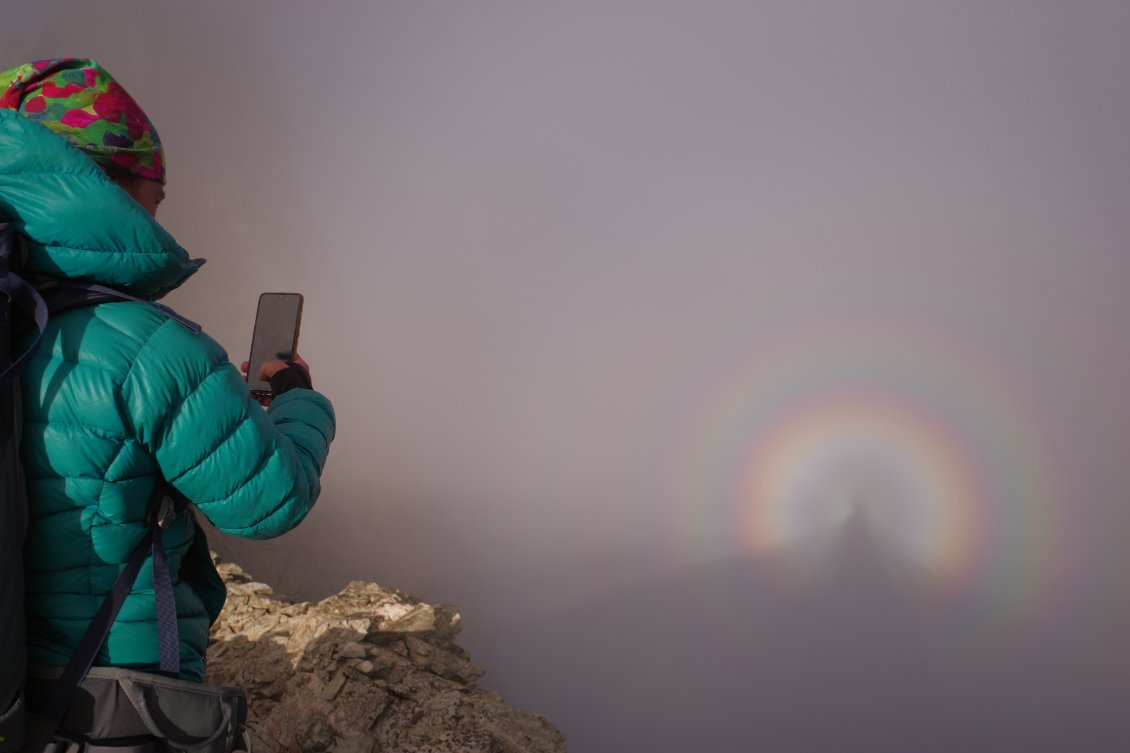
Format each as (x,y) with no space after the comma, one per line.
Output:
(270,368)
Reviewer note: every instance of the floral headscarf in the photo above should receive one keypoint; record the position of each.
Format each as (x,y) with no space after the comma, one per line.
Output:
(79,100)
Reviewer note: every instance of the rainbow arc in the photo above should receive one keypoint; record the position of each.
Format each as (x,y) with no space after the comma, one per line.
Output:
(948,460)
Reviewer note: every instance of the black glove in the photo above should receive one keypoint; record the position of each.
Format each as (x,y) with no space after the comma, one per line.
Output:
(294,376)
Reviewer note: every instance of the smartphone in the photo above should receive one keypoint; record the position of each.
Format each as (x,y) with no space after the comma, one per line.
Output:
(277,322)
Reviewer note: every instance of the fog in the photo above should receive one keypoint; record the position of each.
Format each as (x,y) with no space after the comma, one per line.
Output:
(751,375)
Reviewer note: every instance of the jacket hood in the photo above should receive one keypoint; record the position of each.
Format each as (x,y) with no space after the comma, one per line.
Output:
(80,225)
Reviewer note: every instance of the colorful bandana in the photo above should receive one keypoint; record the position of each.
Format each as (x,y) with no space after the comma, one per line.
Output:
(79,100)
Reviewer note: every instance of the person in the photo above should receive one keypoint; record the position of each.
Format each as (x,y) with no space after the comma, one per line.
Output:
(120,396)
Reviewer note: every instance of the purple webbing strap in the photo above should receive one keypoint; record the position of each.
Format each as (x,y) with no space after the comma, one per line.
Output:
(168,631)
(83,658)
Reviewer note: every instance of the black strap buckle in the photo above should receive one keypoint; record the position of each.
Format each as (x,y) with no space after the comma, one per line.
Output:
(166,512)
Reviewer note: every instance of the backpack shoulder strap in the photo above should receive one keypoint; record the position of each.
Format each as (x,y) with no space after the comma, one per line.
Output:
(64,295)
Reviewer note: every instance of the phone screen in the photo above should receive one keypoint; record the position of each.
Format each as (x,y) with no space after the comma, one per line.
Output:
(276,334)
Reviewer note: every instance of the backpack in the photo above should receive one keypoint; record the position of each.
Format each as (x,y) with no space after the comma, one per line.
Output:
(78,708)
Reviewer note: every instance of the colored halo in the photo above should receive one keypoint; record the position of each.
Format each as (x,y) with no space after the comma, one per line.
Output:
(987,519)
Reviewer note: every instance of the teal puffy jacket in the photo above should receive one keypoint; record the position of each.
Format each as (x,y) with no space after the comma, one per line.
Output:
(119,396)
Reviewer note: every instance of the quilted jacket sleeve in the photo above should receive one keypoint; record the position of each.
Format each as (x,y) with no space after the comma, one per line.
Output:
(251,472)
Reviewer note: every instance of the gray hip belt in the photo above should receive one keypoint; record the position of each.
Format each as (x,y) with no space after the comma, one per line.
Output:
(123,711)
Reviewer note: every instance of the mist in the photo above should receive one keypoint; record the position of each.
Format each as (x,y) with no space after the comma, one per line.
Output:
(751,375)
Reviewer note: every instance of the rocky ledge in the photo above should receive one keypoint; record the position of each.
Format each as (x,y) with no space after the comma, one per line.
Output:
(369,670)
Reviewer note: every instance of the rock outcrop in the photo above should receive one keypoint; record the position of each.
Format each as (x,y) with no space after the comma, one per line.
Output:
(369,670)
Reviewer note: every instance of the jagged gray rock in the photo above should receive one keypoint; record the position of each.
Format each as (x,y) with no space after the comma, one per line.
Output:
(369,670)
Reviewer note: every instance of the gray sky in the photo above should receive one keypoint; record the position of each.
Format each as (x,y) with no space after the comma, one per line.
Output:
(752,375)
